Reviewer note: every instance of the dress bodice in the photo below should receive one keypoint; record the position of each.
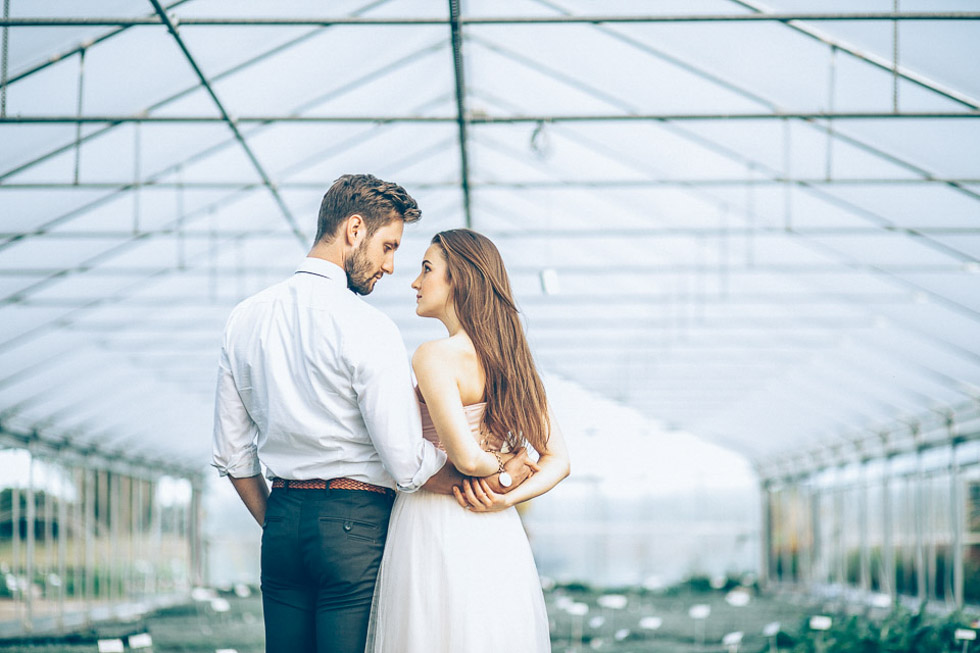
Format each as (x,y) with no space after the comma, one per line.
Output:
(474,416)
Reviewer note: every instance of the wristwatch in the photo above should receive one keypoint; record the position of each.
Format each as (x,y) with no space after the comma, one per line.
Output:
(505,479)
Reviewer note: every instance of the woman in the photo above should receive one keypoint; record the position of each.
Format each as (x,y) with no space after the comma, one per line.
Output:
(453,580)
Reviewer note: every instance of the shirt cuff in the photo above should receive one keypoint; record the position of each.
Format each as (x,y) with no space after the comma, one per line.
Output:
(430,465)
(244,465)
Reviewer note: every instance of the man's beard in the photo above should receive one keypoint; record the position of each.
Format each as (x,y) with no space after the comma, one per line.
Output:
(360,277)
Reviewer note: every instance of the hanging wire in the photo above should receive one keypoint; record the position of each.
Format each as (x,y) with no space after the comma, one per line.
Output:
(4,58)
(701,291)
(240,267)
(181,242)
(137,176)
(723,254)
(831,93)
(78,127)
(750,217)
(213,256)
(787,174)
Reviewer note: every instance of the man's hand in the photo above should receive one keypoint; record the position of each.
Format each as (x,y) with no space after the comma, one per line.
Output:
(254,493)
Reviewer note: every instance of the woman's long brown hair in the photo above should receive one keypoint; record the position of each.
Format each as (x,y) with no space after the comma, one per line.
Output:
(517,408)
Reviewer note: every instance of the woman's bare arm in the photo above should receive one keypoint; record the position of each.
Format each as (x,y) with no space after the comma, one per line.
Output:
(434,367)
(554,466)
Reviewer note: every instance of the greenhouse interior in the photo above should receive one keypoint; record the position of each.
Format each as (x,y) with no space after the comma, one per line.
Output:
(744,241)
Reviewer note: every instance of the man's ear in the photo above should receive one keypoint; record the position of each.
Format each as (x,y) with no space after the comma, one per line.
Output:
(355,229)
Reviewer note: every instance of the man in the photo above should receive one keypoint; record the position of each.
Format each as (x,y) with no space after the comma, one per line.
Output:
(314,384)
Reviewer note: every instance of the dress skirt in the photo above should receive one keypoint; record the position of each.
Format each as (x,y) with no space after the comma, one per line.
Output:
(455,581)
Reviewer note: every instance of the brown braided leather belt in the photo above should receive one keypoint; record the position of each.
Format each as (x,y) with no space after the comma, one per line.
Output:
(333,484)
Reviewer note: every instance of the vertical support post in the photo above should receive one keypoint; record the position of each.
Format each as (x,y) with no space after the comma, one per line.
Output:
(840,575)
(462,117)
(865,554)
(956,521)
(29,573)
(78,538)
(196,549)
(803,532)
(176,532)
(16,568)
(920,553)
(765,568)
(63,530)
(815,550)
(130,587)
(102,523)
(113,554)
(895,53)
(4,60)
(888,581)
(141,566)
(786,497)
(90,534)
(49,550)
(156,528)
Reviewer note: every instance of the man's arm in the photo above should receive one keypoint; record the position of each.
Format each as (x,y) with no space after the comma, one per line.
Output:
(233,442)
(254,494)
(382,382)
(517,465)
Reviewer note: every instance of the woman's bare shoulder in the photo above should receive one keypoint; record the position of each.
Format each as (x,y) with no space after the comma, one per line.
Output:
(453,357)
(442,352)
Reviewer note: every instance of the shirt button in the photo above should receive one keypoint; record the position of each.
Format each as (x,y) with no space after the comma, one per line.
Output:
(347,526)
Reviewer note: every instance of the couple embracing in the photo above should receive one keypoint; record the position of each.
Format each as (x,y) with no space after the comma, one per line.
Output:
(314,383)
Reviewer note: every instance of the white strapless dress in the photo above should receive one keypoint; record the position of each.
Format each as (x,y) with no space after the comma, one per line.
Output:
(454,581)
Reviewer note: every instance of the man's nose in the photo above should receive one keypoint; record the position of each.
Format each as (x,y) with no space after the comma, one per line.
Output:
(388,266)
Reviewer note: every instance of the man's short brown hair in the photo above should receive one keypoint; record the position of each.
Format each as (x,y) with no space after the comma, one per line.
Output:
(378,202)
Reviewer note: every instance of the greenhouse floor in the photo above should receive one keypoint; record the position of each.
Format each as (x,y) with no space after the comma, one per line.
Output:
(582,619)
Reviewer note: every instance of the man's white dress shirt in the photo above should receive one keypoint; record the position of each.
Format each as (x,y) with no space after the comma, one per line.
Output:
(315,383)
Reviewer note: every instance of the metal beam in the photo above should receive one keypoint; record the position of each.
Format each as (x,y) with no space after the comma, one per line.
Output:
(232,124)
(129,238)
(64,54)
(506,185)
(575,269)
(479,119)
(531,234)
(876,61)
(884,225)
(456,35)
(717,81)
(278,49)
(603,299)
(919,332)
(95,455)
(68,319)
(120,21)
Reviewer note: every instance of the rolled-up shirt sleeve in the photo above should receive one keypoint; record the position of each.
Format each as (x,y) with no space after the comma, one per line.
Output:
(234,450)
(382,381)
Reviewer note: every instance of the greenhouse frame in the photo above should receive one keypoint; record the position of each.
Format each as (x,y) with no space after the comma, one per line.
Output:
(756,222)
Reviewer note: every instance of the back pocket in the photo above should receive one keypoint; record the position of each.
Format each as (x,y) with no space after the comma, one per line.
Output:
(353,529)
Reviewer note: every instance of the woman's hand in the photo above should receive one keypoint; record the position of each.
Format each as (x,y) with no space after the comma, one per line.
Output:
(477,496)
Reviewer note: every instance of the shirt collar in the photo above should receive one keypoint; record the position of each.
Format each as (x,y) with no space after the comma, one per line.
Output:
(323,268)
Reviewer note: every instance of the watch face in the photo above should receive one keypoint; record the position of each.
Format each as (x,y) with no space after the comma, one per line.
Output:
(505,479)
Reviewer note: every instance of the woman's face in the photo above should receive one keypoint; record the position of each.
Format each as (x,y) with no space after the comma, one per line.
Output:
(433,293)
